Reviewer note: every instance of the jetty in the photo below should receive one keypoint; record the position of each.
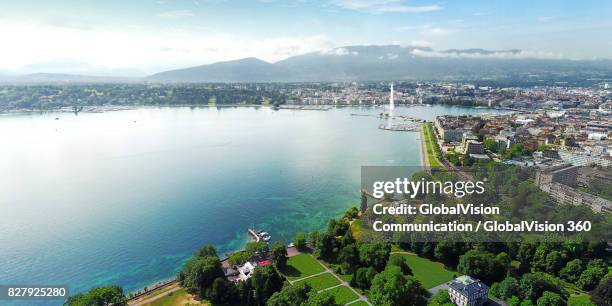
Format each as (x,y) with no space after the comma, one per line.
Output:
(253,234)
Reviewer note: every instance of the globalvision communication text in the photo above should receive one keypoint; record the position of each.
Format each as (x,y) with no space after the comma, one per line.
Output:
(408,204)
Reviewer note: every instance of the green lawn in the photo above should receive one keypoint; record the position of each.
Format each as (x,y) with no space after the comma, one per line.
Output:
(360,303)
(342,294)
(320,282)
(428,272)
(301,266)
(431,145)
(579,300)
(346,277)
(178,298)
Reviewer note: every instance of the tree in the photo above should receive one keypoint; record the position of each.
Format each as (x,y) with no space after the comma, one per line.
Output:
(299,240)
(199,273)
(441,299)
(400,262)
(265,282)
(325,247)
(533,285)
(222,291)
(320,299)
(538,263)
(313,237)
(375,255)
(348,239)
(205,251)
(349,258)
(351,213)
(504,259)
(279,254)
(239,258)
(466,160)
(555,261)
(490,144)
(391,287)
(337,227)
(362,278)
(515,151)
(290,295)
(514,301)
(602,295)
(448,252)
(482,265)
(452,158)
(525,253)
(572,270)
(590,278)
(551,299)
(245,293)
(505,289)
(257,247)
(99,296)
(364,202)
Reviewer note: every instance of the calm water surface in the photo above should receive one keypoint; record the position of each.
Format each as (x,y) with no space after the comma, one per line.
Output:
(125,197)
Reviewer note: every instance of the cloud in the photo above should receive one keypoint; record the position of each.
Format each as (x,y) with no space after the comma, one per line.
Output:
(385,6)
(419,44)
(425,30)
(176,14)
(483,54)
(338,52)
(144,48)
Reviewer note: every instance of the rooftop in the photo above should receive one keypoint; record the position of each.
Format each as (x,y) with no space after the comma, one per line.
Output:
(467,286)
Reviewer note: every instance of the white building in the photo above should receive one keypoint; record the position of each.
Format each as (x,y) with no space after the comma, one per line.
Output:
(467,291)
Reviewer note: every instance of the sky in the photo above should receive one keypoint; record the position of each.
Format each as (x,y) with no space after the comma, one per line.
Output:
(137,38)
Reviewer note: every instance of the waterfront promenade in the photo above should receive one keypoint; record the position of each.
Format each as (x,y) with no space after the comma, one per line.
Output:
(424,159)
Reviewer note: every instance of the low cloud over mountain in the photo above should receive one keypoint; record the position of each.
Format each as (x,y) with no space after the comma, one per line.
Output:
(372,63)
(366,63)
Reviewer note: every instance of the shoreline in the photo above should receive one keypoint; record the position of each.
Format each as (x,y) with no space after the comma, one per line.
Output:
(98,109)
(424,160)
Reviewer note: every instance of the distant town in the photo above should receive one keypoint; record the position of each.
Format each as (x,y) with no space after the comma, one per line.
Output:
(593,99)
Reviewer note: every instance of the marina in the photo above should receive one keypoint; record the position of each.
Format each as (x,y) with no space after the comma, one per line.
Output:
(402,127)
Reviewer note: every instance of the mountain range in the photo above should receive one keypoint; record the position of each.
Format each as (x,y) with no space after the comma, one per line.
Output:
(369,63)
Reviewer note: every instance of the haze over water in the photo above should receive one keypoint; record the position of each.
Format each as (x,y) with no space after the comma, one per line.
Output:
(125,197)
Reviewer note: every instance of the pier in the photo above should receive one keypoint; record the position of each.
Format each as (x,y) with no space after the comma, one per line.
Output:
(254,235)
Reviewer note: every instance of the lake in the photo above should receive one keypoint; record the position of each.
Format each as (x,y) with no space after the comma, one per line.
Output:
(125,197)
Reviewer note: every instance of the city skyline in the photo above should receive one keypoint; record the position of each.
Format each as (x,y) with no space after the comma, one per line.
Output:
(143,37)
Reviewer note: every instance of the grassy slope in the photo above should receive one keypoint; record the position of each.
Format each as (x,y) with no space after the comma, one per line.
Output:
(430,144)
(342,294)
(428,272)
(320,282)
(178,298)
(301,266)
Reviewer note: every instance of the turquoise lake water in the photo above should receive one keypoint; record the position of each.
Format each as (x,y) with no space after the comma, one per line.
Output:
(125,197)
